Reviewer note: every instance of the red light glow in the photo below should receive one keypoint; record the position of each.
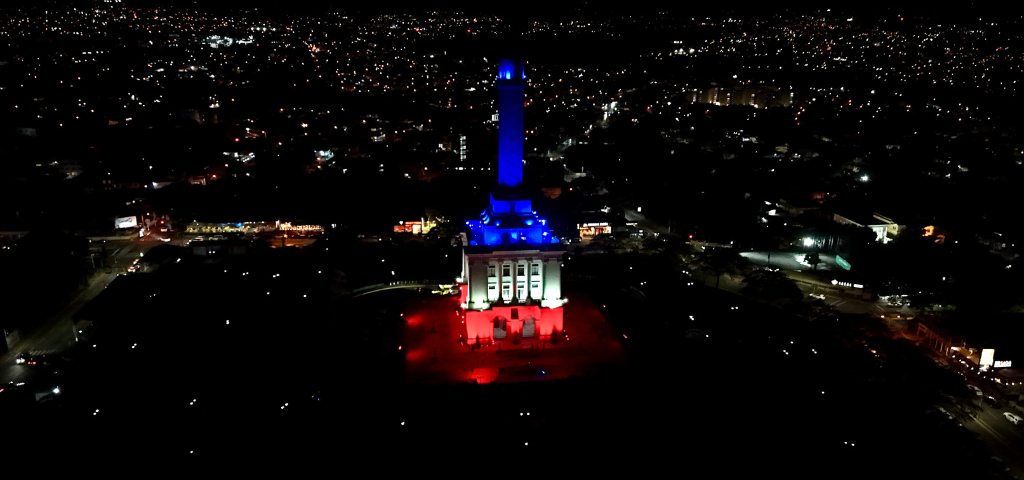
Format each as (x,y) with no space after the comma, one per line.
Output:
(483,375)
(452,354)
(481,324)
(415,355)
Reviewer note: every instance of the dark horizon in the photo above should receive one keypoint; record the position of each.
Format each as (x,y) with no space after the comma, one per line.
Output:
(872,9)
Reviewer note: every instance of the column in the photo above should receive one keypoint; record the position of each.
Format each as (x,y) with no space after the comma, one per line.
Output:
(497,271)
(529,279)
(515,279)
(477,281)
(552,284)
(540,279)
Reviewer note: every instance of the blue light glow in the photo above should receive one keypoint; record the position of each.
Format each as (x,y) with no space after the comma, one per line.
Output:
(505,68)
(510,220)
(509,69)
(510,123)
(493,235)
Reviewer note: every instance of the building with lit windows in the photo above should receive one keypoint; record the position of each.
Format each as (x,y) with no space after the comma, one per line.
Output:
(511,269)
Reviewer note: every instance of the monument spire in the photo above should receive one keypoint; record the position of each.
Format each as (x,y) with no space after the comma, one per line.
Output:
(510,82)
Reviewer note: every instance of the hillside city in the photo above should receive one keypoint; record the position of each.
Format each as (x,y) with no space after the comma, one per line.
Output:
(771,218)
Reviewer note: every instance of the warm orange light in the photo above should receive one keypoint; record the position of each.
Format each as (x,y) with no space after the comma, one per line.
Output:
(929,231)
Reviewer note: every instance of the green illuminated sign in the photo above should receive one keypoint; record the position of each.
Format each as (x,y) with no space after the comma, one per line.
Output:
(842,262)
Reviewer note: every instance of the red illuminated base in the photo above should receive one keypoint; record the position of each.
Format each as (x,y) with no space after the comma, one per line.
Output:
(434,342)
(509,323)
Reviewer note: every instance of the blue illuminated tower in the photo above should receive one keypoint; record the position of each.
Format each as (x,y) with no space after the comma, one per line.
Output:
(510,218)
(512,265)
(511,82)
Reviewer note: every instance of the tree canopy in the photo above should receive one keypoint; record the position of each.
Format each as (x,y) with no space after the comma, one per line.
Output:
(772,287)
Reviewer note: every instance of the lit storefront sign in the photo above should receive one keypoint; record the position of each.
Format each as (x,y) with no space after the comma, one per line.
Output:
(594,229)
(414,227)
(847,284)
(125,222)
(987,356)
(299,228)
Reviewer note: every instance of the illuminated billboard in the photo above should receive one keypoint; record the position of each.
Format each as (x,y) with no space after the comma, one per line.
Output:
(1003,364)
(125,222)
(987,356)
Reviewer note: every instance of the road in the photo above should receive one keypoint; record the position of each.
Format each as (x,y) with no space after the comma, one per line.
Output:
(843,300)
(1004,439)
(791,261)
(58,333)
(642,223)
(840,301)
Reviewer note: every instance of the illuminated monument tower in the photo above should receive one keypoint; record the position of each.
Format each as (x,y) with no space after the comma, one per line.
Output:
(511,82)
(512,267)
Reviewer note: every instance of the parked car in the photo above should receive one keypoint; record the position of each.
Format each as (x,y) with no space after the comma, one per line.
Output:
(1013,418)
(992,402)
(977,391)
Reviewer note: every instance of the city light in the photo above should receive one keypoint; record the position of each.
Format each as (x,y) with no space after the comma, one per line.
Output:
(691,113)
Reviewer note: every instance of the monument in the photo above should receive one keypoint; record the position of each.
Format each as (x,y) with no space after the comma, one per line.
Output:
(511,269)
